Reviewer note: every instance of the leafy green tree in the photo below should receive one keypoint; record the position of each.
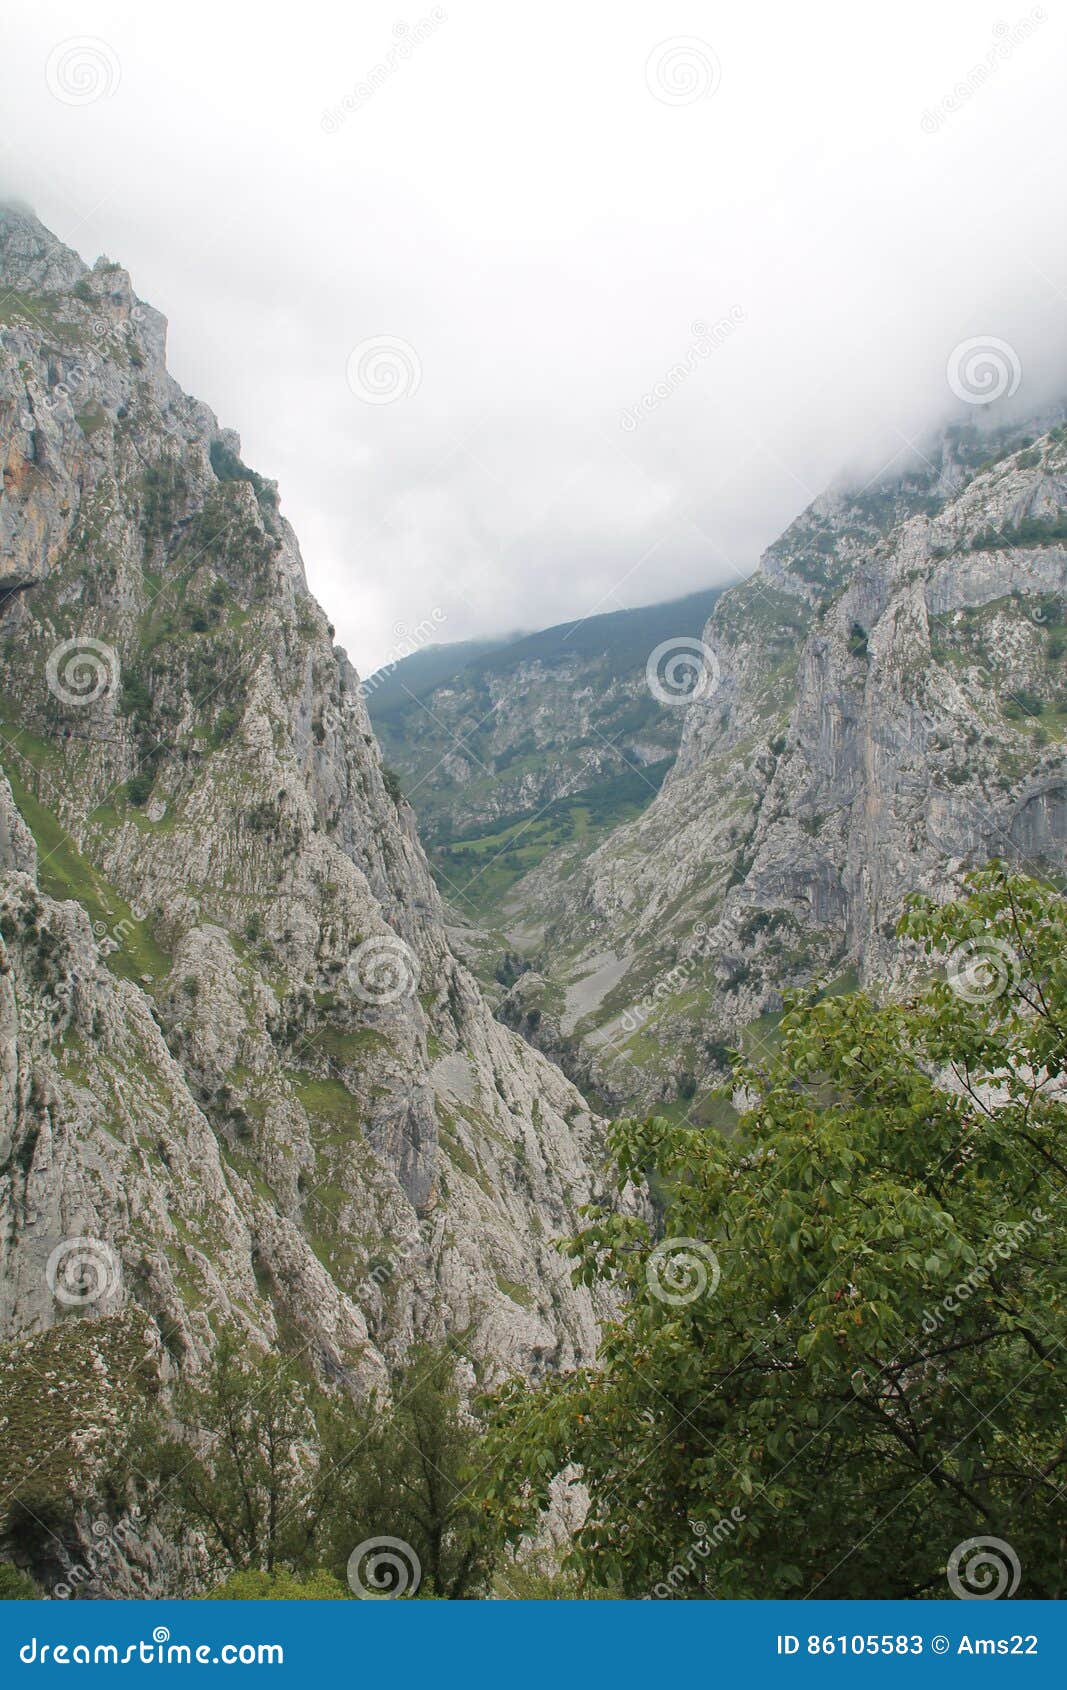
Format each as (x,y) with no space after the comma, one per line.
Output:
(318,1586)
(16,1586)
(249,1457)
(839,1362)
(282,1481)
(523,1580)
(413,1481)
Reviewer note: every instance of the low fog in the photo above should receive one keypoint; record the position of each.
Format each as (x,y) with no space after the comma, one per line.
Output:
(639,302)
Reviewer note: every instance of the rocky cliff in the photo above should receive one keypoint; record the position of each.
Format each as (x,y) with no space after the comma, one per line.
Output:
(885,703)
(534,752)
(242,1076)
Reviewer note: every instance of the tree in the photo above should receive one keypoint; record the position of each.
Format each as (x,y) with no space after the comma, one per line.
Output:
(16,1586)
(415,1474)
(318,1586)
(244,1460)
(838,1364)
(282,1481)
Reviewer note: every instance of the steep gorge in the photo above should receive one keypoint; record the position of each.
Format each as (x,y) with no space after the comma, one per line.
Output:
(243,1078)
(885,704)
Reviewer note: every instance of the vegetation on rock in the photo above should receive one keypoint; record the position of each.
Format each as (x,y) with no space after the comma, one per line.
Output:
(838,1358)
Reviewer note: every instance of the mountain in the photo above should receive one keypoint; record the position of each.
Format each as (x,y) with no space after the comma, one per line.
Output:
(243,1078)
(885,704)
(535,750)
(246,1077)
(414,674)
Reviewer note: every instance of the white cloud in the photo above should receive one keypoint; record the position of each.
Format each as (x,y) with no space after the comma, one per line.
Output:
(868,188)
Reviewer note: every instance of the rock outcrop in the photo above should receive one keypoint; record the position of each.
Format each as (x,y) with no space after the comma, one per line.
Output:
(532,752)
(243,1078)
(885,705)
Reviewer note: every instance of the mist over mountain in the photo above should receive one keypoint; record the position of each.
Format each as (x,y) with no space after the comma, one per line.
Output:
(532,1017)
(536,748)
(530,298)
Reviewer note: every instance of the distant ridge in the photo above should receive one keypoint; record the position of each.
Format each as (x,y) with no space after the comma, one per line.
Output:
(512,750)
(420,671)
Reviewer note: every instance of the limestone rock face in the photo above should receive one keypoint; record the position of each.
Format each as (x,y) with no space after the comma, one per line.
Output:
(240,1067)
(529,752)
(888,706)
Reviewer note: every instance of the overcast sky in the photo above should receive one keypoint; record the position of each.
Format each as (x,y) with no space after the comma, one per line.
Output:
(533,206)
